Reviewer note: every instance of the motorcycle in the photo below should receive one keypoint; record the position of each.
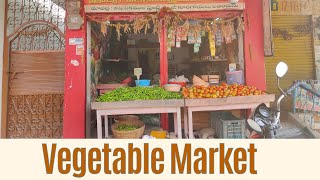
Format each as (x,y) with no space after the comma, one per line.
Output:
(265,121)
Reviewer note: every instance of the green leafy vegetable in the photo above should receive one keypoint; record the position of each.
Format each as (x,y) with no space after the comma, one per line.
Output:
(138,93)
(124,127)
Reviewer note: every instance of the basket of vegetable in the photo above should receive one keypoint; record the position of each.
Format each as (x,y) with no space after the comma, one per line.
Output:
(129,129)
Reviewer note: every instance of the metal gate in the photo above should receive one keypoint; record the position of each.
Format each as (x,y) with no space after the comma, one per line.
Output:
(36,63)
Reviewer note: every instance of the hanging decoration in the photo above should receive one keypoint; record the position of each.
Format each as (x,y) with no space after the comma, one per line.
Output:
(180,27)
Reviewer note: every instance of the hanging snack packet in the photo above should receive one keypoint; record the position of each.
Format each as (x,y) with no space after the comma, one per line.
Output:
(199,40)
(178,31)
(173,39)
(227,32)
(203,33)
(103,29)
(184,35)
(196,47)
(172,42)
(212,44)
(214,31)
(178,37)
(178,44)
(219,38)
(184,30)
(191,39)
(234,34)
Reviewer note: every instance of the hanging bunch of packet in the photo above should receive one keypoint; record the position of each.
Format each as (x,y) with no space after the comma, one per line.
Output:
(219,38)
(184,30)
(212,44)
(198,38)
(203,33)
(234,34)
(169,37)
(228,31)
(172,37)
(191,39)
(103,28)
(172,33)
(178,37)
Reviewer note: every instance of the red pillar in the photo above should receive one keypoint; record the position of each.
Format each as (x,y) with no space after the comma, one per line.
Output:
(75,86)
(163,56)
(164,69)
(254,44)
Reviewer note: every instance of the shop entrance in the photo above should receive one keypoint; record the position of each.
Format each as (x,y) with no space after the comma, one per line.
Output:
(115,52)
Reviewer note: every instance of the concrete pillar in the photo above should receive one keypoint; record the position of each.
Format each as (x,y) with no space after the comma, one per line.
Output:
(316,46)
(2,29)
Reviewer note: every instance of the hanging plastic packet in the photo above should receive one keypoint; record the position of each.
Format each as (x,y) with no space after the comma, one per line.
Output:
(178,37)
(169,36)
(196,47)
(173,37)
(191,39)
(228,32)
(178,44)
(203,33)
(219,38)
(199,40)
(214,30)
(103,28)
(234,34)
(184,35)
(172,42)
(184,30)
(170,39)
(168,48)
(212,44)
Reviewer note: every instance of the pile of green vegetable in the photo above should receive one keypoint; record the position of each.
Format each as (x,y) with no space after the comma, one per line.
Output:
(124,127)
(138,93)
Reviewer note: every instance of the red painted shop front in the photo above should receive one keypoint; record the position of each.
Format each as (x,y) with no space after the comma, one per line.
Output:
(75,75)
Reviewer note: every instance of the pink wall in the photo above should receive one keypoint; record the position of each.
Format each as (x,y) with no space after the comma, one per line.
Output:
(254,46)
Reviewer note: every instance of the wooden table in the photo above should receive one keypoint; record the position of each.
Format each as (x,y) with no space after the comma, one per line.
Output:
(229,103)
(138,107)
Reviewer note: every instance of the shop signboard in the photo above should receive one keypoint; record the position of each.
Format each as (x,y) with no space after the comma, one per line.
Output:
(109,6)
(293,7)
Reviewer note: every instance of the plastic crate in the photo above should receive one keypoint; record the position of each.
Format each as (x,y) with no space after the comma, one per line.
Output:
(227,126)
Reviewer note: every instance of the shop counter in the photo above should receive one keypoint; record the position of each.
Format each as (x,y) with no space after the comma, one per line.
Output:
(138,107)
(216,104)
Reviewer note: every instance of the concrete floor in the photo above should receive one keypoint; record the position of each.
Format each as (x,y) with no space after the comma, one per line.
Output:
(290,129)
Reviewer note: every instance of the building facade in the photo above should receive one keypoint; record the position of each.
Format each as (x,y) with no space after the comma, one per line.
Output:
(59,109)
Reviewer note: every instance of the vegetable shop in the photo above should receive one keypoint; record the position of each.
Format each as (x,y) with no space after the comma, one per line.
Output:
(163,69)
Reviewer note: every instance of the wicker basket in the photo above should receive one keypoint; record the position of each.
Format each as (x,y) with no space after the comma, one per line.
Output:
(127,118)
(134,134)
